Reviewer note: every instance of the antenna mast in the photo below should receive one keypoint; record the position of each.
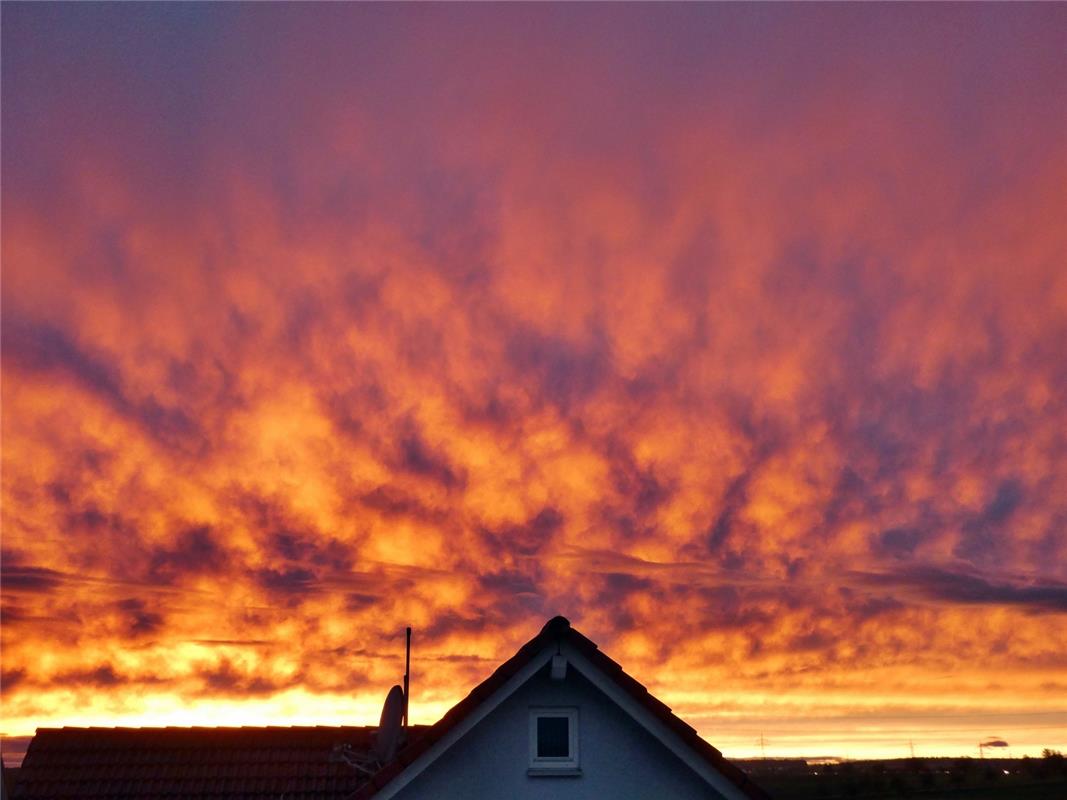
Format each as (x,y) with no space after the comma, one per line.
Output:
(407,673)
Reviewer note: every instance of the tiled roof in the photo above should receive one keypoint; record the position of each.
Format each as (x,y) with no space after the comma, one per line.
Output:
(191,763)
(558,629)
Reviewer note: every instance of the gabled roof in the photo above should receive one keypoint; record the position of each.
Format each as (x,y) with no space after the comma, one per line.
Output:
(208,763)
(557,631)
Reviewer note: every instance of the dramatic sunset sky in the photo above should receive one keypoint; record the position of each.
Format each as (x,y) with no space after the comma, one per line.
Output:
(736,334)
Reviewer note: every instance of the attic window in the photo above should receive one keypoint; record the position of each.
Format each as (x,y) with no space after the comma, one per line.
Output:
(553,741)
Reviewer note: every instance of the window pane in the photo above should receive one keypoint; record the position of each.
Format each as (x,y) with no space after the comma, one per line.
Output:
(553,737)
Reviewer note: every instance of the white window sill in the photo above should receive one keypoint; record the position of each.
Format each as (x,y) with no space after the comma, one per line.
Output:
(554,772)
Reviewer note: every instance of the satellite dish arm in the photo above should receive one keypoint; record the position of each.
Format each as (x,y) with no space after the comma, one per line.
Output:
(407,674)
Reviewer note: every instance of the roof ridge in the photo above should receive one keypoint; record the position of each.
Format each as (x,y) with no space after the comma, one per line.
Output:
(201,728)
(557,624)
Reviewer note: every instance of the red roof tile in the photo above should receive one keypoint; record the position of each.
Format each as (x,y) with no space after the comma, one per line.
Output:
(207,763)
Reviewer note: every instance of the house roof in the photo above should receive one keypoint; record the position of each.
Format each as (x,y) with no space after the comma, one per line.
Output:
(558,630)
(298,762)
(191,763)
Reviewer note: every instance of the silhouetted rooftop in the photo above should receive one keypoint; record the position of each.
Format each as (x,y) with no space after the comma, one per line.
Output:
(244,763)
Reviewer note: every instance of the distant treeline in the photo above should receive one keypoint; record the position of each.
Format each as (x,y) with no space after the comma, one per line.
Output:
(927,778)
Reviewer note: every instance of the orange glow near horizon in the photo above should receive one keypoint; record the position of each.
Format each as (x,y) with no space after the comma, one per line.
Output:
(321,321)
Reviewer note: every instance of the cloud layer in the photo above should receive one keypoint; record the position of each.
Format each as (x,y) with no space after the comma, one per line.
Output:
(737,335)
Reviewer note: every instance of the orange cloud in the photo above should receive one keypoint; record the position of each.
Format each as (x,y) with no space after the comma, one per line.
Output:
(319,324)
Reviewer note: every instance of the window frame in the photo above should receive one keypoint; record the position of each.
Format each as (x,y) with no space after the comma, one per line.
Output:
(555,765)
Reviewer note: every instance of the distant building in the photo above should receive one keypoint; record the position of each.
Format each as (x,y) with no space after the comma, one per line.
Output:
(558,719)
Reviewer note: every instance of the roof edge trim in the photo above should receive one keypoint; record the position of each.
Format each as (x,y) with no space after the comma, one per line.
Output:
(482,710)
(641,715)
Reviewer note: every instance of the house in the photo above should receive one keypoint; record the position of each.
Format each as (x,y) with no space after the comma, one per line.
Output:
(558,719)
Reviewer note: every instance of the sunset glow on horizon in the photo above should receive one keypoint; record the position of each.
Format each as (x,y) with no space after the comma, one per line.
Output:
(737,334)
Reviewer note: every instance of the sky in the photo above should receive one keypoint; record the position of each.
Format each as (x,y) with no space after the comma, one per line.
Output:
(735,333)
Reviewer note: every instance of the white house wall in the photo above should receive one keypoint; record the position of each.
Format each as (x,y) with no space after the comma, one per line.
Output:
(620,760)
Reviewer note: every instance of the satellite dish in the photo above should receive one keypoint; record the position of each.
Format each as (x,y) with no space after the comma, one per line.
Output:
(390,725)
